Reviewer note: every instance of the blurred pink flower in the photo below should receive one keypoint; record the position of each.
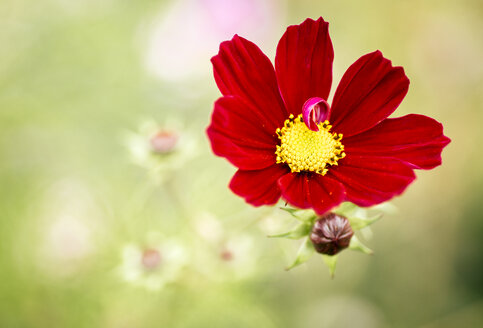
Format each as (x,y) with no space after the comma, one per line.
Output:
(189,31)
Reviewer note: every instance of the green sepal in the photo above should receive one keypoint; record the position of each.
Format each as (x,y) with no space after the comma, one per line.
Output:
(358,223)
(346,209)
(305,252)
(292,212)
(300,215)
(387,208)
(300,231)
(331,262)
(357,245)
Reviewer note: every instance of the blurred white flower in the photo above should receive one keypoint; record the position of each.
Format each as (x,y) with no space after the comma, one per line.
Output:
(161,148)
(238,257)
(154,265)
(234,258)
(224,255)
(188,33)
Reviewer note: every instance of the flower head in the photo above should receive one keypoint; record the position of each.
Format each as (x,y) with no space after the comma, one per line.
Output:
(276,127)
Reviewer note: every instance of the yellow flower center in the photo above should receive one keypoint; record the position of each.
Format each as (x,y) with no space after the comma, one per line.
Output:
(306,150)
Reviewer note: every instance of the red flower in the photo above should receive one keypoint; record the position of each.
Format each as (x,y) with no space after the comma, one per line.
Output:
(277,128)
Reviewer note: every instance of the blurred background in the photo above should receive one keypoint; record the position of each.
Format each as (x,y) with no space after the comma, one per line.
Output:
(115,213)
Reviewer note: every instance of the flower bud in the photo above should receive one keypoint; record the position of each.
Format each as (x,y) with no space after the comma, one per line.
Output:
(331,234)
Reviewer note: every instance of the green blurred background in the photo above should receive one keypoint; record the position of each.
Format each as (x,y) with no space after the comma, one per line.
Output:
(78,81)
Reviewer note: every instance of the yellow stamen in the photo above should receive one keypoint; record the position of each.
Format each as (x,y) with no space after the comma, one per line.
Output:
(306,150)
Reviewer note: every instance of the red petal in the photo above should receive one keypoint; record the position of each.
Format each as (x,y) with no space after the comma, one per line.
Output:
(259,187)
(306,190)
(236,134)
(304,63)
(241,69)
(415,139)
(369,180)
(370,90)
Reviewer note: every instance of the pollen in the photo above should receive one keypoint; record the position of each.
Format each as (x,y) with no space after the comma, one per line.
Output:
(305,150)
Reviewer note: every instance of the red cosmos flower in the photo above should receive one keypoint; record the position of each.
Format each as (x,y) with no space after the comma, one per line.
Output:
(277,128)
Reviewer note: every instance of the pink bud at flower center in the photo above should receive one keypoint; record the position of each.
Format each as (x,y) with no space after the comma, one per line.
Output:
(314,111)
(151,259)
(164,141)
